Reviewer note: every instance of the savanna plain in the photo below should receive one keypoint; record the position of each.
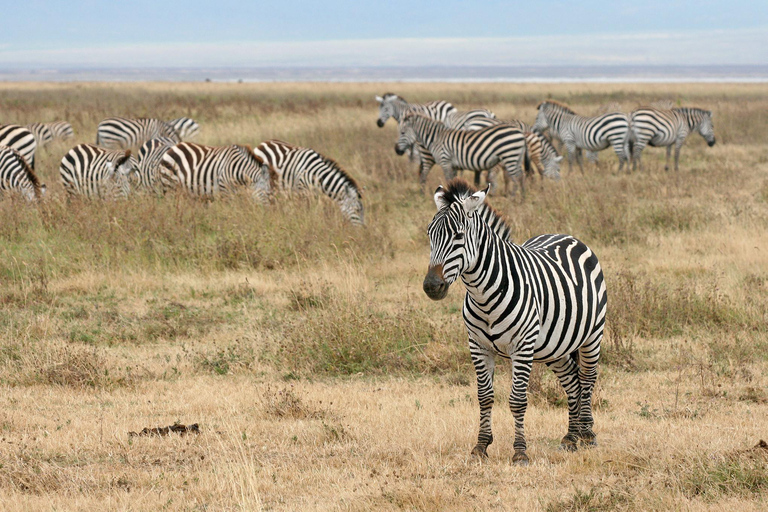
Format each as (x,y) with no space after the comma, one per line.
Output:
(321,376)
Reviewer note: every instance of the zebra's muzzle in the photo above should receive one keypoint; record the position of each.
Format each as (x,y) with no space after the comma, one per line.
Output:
(398,150)
(380,123)
(711,143)
(434,284)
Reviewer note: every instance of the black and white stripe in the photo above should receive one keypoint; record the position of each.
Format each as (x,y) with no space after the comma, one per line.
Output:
(16,176)
(392,105)
(454,150)
(92,171)
(543,301)
(667,128)
(588,133)
(208,171)
(147,176)
(61,130)
(186,128)
(123,133)
(303,169)
(43,134)
(20,139)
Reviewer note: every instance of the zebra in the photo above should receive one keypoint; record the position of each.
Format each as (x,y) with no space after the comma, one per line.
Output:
(207,171)
(590,133)
(392,105)
(543,301)
(123,133)
(93,171)
(303,169)
(17,176)
(657,128)
(147,176)
(186,128)
(43,134)
(460,149)
(61,130)
(20,139)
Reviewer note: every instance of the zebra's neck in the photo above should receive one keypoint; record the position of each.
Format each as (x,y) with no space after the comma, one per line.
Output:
(428,132)
(691,116)
(489,249)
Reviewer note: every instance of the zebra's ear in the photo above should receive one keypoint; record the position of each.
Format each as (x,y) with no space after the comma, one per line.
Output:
(440,201)
(379,99)
(558,159)
(473,202)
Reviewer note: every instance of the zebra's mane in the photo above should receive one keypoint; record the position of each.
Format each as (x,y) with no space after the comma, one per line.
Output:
(273,176)
(336,167)
(693,110)
(557,104)
(30,172)
(458,189)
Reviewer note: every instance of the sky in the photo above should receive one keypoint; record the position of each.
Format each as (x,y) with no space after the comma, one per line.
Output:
(74,34)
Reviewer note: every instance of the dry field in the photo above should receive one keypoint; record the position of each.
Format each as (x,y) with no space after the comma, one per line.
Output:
(321,376)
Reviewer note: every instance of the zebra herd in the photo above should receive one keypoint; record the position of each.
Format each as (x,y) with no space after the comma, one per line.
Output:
(165,162)
(542,301)
(475,140)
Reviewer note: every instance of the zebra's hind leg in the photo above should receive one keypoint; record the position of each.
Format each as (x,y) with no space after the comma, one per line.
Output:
(484,368)
(589,354)
(518,403)
(567,373)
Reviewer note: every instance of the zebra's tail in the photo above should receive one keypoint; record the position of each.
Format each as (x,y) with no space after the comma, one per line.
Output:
(527,163)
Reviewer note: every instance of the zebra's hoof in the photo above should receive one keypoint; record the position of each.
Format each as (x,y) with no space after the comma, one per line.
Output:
(570,443)
(480,451)
(520,459)
(588,439)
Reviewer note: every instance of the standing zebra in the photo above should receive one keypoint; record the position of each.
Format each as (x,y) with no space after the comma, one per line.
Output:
(590,133)
(542,301)
(147,176)
(186,128)
(17,176)
(61,130)
(20,139)
(43,134)
(208,171)
(303,169)
(123,133)
(92,171)
(477,150)
(657,128)
(392,105)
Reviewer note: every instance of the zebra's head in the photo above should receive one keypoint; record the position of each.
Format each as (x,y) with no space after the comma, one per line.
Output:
(120,170)
(387,107)
(452,236)
(542,118)
(407,138)
(550,160)
(706,128)
(352,205)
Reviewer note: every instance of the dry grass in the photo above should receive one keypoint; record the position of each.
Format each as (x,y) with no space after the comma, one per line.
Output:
(321,376)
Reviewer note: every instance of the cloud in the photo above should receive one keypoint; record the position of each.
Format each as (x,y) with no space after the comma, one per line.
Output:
(714,47)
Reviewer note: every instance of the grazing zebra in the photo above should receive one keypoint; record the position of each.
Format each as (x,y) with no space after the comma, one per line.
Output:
(208,171)
(303,169)
(147,176)
(657,127)
(186,128)
(92,171)
(392,105)
(590,133)
(17,176)
(542,301)
(20,139)
(123,133)
(542,155)
(43,134)
(477,150)
(61,130)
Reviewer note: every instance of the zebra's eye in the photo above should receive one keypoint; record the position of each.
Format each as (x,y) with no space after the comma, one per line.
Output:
(460,235)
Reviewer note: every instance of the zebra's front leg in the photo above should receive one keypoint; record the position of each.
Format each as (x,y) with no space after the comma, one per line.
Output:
(567,373)
(426,166)
(669,153)
(678,145)
(448,171)
(589,355)
(484,368)
(518,403)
